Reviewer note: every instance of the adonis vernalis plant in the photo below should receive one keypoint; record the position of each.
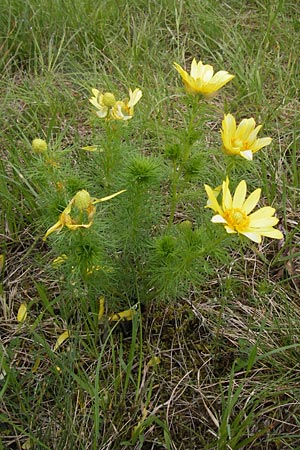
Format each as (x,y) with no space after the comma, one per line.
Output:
(144,245)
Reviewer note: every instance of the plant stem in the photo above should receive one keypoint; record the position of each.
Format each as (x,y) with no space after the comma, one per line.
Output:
(178,166)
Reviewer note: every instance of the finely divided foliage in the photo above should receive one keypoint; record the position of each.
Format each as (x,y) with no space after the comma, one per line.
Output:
(149,240)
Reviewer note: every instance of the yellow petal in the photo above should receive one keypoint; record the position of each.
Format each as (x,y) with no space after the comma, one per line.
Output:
(95,92)
(273,233)
(253,236)
(266,211)
(239,195)
(181,71)
(61,339)
(101,308)
(244,129)
(22,313)
(247,154)
(134,97)
(104,199)
(263,222)
(212,200)
(102,111)
(57,226)
(228,130)
(90,148)
(154,361)
(218,219)
(220,78)
(126,315)
(196,69)
(260,143)
(229,229)
(1,263)
(252,201)
(72,226)
(227,198)
(207,73)
(252,136)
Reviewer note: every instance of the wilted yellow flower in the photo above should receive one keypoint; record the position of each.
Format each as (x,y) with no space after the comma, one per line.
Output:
(39,145)
(202,79)
(84,203)
(241,140)
(108,107)
(234,213)
(123,110)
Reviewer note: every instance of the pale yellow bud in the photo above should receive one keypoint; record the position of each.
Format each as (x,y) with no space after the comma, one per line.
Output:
(82,199)
(39,145)
(108,99)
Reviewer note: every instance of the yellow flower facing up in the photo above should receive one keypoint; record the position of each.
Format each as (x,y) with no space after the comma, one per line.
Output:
(242,139)
(84,205)
(109,108)
(234,212)
(202,79)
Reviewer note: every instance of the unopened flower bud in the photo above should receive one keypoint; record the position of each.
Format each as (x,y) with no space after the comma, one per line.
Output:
(39,145)
(82,199)
(109,99)
(185,225)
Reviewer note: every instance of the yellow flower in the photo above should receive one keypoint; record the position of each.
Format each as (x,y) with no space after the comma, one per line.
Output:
(84,203)
(202,79)
(123,110)
(234,213)
(241,140)
(108,107)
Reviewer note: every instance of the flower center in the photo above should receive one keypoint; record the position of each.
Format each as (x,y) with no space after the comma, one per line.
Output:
(238,144)
(109,99)
(82,200)
(237,219)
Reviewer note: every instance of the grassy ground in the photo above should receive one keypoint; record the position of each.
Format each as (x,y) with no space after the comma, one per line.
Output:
(228,373)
